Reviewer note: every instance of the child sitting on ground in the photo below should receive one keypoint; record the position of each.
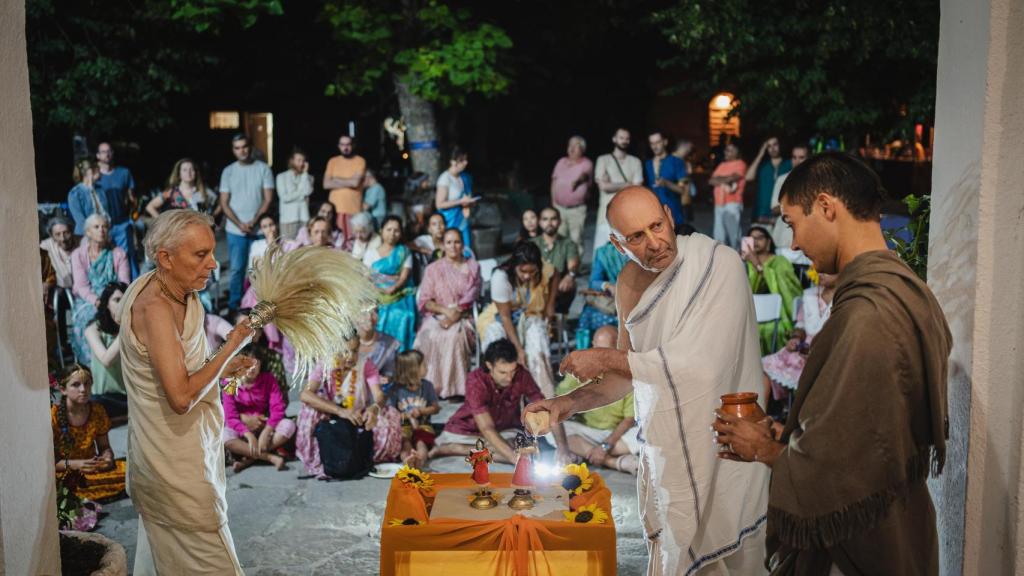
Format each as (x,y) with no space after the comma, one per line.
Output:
(415,398)
(80,439)
(254,422)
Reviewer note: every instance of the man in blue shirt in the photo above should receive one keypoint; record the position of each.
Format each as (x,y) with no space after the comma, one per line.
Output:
(118,185)
(664,174)
(766,174)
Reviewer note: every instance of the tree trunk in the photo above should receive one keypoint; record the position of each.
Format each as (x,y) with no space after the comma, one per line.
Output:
(421,130)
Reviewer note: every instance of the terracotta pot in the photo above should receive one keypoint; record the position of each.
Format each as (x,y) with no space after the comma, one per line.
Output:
(744,405)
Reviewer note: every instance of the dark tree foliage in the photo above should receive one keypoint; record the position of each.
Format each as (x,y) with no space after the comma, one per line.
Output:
(811,66)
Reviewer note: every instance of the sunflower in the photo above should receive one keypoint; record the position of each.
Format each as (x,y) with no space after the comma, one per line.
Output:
(577,479)
(421,480)
(406,522)
(589,514)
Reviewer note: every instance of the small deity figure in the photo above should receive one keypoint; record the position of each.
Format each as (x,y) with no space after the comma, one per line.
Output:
(479,459)
(522,478)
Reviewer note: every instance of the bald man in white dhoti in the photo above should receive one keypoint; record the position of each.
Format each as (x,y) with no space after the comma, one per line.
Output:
(175,453)
(687,335)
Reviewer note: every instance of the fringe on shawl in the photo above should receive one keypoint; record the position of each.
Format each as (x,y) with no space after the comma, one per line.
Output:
(829,529)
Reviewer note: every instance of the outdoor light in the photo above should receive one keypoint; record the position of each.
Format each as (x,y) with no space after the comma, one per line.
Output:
(723,101)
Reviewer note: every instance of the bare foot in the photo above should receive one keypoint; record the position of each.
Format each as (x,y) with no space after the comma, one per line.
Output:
(242,464)
(277,461)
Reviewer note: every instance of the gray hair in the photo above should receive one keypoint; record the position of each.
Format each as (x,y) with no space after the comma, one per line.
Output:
(58,221)
(361,220)
(94,217)
(579,140)
(165,233)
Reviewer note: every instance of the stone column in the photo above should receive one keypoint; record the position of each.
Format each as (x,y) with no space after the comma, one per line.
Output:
(976,268)
(28,513)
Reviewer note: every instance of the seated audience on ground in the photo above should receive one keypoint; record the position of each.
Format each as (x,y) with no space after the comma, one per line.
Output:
(771,274)
(185,190)
(605,436)
(86,198)
(364,236)
(94,264)
(600,307)
(562,254)
(375,201)
(318,233)
(349,389)
(377,346)
(330,215)
(58,247)
(522,305)
(530,228)
(495,394)
(107,382)
(391,268)
(445,299)
(255,426)
(413,395)
(452,198)
(782,369)
(80,442)
(269,229)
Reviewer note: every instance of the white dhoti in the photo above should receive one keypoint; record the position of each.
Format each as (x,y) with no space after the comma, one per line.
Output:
(175,474)
(694,338)
(162,549)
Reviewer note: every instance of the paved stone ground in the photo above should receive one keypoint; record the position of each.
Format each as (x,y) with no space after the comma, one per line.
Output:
(284,525)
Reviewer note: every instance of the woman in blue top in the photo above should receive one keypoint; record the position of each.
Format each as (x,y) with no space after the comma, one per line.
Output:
(391,265)
(600,310)
(452,197)
(86,198)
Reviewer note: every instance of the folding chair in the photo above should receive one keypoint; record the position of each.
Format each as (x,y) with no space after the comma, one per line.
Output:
(768,308)
(62,323)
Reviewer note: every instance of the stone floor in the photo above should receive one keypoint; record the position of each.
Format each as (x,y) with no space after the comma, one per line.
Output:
(284,525)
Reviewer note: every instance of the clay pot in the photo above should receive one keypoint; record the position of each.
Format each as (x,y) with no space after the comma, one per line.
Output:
(744,405)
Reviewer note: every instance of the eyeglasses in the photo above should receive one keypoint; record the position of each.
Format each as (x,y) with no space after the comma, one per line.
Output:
(638,238)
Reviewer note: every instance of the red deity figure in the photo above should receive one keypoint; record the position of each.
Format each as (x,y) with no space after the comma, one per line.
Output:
(479,459)
(522,478)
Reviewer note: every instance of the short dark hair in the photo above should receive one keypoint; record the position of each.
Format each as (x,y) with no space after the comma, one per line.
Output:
(841,175)
(265,215)
(458,154)
(297,150)
(558,213)
(502,350)
(239,136)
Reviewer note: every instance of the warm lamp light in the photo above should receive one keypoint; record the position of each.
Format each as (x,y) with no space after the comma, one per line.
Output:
(722,102)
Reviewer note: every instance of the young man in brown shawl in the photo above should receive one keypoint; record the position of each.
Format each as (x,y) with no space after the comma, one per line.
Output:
(848,492)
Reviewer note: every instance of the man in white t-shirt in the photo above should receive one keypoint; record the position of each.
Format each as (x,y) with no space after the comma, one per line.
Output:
(614,172)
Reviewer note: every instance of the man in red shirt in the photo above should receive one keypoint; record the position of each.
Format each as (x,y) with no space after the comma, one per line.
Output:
(494,399)
(729,179)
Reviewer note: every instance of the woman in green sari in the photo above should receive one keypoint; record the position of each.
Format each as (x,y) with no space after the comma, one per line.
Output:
(771,274)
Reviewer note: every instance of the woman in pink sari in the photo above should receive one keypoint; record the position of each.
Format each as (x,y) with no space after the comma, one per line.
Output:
(445,299)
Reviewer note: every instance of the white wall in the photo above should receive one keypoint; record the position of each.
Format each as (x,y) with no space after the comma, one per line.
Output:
(976,268)
(28,514)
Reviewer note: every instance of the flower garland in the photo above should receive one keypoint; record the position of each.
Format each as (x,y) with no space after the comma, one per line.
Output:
(344,387)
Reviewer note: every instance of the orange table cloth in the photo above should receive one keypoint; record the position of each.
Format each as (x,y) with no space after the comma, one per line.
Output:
(517,546)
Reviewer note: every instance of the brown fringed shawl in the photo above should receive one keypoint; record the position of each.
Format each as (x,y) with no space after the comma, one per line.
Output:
(868,421)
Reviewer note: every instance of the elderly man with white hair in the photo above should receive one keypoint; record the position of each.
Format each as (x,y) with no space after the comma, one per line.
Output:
(570,182)
(175,454)
(364,237)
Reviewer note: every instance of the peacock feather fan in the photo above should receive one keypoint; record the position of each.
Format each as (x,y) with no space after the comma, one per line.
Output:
(315,295)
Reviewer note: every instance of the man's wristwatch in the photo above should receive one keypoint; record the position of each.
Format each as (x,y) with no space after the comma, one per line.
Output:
(606,446)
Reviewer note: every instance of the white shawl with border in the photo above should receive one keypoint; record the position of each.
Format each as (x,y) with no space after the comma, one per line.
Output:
(694,338)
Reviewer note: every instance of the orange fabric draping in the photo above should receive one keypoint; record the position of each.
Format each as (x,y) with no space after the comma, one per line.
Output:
(520,544)
(598,494)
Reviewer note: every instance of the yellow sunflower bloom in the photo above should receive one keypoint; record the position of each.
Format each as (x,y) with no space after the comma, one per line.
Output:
(421,480)
(577,479)
(589,514)
(406,522)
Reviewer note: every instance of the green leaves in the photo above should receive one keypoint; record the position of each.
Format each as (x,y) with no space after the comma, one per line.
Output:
(829,66)
(914,251)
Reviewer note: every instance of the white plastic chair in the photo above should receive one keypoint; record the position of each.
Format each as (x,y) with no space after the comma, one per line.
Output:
(768,308)
(487,268)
